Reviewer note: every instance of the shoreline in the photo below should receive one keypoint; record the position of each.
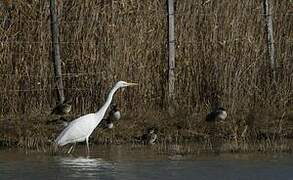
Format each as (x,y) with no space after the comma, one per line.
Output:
(27,132)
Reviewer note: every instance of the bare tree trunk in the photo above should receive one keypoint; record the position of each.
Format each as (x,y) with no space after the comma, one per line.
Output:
(56,51)
(269,34)
(171,56)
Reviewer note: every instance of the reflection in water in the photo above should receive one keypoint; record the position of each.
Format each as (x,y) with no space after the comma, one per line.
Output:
(85,167)
(124,163)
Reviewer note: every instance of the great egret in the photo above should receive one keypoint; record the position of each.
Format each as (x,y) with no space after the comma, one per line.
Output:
(63,108)
(81,128)
(150,137)
(217,114)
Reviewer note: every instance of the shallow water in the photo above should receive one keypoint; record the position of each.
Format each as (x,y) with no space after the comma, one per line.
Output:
(120,162)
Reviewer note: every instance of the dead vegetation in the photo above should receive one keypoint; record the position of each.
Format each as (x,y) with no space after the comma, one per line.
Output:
(220,56)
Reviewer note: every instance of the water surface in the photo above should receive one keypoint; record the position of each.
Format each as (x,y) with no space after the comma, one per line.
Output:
(119,162)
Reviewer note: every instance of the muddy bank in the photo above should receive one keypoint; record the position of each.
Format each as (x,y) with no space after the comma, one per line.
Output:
(191,134)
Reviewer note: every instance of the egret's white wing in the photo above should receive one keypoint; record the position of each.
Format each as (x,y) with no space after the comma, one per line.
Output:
(78,129)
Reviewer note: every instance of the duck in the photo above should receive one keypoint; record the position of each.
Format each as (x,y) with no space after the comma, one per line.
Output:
(150,137)
(60,121)
(106,123)
(63,108)
(114,115)
(218,114)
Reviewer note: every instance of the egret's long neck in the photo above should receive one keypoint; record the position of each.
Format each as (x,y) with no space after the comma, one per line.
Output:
(108,101)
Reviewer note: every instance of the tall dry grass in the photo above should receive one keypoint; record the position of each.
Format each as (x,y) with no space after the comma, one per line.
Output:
(220,56)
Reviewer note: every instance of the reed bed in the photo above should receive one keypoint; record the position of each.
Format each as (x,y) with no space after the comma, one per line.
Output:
(220,57)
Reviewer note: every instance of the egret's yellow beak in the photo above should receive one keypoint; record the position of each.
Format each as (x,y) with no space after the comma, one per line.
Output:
(132,84)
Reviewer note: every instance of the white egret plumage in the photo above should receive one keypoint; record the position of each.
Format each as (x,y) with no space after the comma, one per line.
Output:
(80,129)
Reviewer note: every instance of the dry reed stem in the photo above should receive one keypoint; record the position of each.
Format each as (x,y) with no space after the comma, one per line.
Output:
(220,56)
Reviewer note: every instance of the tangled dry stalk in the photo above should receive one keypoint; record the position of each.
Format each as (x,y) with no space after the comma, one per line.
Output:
(220,56)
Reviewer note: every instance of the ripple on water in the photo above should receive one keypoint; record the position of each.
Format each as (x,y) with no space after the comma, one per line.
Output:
(127,163)
(85,167)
